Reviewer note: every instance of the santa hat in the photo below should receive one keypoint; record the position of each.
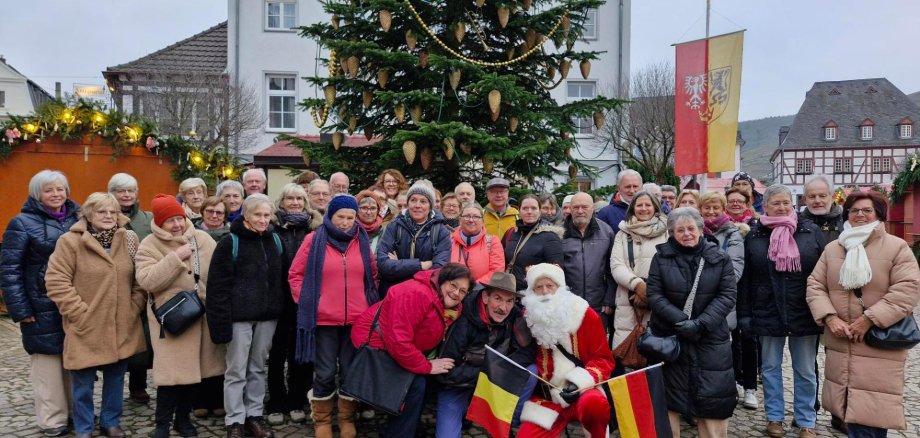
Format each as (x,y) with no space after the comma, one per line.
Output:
(165,207)
(547,270)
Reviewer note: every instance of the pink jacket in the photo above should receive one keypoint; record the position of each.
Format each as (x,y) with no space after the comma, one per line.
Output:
(480,258)
(341,298)
(412,322)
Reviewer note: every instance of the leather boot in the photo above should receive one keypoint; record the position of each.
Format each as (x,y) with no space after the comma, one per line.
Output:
(163,413)
(322,414)
(258,427)
(347,408)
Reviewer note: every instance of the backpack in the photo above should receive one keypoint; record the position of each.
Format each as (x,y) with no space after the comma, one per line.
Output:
(236,245)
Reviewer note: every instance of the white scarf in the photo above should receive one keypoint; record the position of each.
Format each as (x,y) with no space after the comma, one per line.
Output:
(856,271)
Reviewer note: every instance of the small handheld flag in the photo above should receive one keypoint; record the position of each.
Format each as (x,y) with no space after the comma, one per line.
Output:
(497,394)
(641,405)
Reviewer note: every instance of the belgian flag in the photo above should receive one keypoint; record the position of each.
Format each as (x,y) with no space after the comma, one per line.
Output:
(641,405)
(497,394)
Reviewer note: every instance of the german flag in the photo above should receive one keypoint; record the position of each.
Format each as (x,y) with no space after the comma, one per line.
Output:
(496,394)
(640,403)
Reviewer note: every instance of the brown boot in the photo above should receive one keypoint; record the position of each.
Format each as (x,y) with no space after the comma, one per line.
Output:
(322,414)
(258,427)
(347,408)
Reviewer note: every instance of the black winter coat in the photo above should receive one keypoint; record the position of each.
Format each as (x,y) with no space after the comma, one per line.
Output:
(772,303)
(587,263)
(28,242)
(292,235)
(701,382)
(830,224)
(432,244)
(544,246)
(466,340)
(251,289)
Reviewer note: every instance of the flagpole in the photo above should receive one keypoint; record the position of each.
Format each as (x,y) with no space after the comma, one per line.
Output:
(703,183)
(519,366)
(622,376)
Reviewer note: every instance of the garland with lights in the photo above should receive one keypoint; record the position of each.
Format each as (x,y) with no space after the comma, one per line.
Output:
(88,120)
(906,178)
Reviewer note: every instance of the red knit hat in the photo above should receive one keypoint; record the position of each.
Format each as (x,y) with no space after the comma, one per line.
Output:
(165,207)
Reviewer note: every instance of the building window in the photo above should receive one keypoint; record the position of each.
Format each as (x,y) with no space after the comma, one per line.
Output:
(886,165)
(830,134)
(804,166)
(843,165)
(2,99)
(876,165)
(907,130)
(584,183)
(580,90)
(865,132)
(589,31)
(280,15)
(282,92)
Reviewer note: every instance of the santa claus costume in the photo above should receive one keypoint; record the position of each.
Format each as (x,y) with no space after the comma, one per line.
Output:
(565,320)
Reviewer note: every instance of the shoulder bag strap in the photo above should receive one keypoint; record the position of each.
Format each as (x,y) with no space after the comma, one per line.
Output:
(688,306)
(196,263)
(629,250)
(375,327)
(570,356)
(519,247)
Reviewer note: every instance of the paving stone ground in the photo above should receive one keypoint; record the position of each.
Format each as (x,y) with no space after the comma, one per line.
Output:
(16,409)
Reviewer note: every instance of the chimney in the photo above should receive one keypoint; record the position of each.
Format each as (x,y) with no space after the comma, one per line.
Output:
(783,132)
(57,90)
(3,59)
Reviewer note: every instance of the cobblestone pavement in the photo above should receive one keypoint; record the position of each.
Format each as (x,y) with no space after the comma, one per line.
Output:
(16,409)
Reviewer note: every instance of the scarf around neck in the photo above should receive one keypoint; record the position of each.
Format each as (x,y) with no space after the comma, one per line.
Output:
(373,228)
(783,251)
(298,219)
(743,218)
(855,271)
(59,216)
(189,213)
(307,307)
(104,237)
(649,229)
(713,225)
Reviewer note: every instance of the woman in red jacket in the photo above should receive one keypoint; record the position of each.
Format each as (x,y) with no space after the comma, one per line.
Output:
(472,246)
(332,281)
(414,317)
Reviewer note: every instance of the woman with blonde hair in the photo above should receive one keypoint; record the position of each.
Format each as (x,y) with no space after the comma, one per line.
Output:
(91,279)
(689,198)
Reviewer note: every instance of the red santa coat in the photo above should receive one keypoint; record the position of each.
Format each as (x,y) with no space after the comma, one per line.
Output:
(589,344)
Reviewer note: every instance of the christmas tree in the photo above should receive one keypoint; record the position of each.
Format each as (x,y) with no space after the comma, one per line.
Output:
(454,90)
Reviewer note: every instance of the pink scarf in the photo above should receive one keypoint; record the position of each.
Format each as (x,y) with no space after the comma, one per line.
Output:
(743,218)
(713,225)
(783,251)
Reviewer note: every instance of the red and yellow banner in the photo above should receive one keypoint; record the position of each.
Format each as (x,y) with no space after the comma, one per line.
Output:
(706,96)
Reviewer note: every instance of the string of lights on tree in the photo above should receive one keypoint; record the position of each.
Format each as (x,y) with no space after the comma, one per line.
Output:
(88,120)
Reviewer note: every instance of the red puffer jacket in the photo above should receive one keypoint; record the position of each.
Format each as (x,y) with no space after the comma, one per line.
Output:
(412,322)
(341,297)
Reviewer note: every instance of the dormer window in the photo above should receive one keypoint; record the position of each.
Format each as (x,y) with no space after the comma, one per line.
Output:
(866,130)
(905,128)
(830,131)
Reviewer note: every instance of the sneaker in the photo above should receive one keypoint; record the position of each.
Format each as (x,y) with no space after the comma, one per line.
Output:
(750,399)
(298,416)
(775,429)
(56,431)
(740,390)
(368,414)
(276,418)
(807,432)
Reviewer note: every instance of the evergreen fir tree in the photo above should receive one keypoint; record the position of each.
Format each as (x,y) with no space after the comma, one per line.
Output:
(455,90)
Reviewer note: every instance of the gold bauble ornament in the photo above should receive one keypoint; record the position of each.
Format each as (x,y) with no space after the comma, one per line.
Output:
(513,124)
(337,139)
(460,31)
(564,67)
(573,171)
(383,76)
(495,101)
(386,20)
(585,68)
(449,148)
(599,119)
(411,39)
(368,97)
(426,157)
(409,150)
(487,165)
(400,111)
(329,93)
(416,113)
(503,15)
(352,124)
(454,79)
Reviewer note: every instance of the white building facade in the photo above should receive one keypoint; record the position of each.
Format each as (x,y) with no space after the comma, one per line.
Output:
(18,94)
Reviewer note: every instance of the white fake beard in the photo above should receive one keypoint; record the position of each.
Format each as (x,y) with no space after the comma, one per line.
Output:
(549,316)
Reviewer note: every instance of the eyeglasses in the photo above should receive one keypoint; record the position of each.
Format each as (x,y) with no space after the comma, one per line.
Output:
(124,191)
(457,288)
(471,218)
(864,211)
(211,211)
(368,209)
(736,201)
(389,181)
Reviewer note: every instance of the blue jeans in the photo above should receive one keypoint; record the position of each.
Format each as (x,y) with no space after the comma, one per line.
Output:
(804,350)
(859,431)
(113,386)
(403,425)
(454,402)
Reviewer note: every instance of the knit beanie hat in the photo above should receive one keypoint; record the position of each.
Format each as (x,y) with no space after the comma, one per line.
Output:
(165,207)
(547,270)
(341,201)
(567,199)
(422,187)
(366,194)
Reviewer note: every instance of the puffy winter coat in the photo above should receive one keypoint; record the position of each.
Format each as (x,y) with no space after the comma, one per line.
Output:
(483,257)
(412,322)
(629,274)
(432,243)
(467,338)
(27,244)
(191,356)
(700,383)
(862,384)
(99,299)
(341,296)
(614,213)
(730,240)
(498,225)
(543,246)
(250,289)
(587,263)
(830,224)
(772,303)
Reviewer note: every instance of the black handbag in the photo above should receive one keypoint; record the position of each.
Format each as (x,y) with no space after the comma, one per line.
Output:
(902,335)
(667,348)
(375,378)
(183,309)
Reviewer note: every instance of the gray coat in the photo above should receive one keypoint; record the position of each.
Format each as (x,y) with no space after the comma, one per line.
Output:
(731,242)
(587,263)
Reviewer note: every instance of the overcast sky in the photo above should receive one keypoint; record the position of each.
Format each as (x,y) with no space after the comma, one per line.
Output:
(789,44)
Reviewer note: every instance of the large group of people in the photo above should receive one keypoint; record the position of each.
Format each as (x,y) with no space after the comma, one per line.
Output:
(292,287)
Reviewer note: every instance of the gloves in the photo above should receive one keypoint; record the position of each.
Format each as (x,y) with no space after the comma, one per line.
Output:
(689,329)
(639,298)
(570,393)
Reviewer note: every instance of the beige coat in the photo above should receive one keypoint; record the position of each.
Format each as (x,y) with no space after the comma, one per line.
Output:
(624,317)
(191,356)
(98,298)
(865,385)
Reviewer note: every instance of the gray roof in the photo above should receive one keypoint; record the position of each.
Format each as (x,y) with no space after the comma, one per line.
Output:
(37,94)
(205,52)
(848,104)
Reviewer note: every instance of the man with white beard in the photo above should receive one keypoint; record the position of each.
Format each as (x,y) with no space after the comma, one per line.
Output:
(572,354)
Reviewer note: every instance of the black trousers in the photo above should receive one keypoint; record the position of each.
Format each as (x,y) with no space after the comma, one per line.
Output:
(173,401)
(209,394)
(334,352)
(745,358)
(287,392)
